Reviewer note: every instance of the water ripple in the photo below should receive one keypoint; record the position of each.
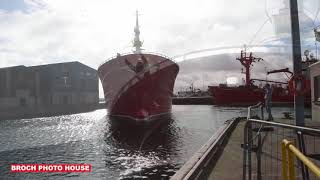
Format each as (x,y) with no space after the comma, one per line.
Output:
(115,151)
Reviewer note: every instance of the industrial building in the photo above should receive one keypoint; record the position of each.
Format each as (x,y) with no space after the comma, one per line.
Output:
(315,90)
(47,89)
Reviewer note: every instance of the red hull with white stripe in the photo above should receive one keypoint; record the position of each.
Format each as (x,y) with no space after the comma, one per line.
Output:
(139,96)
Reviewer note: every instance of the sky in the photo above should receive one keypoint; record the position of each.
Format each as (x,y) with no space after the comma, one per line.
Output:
(37,32)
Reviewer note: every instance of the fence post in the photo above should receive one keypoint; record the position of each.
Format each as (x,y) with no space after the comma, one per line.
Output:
(249,148)
(245,146)
(304,169)
(262,112)
(259,157)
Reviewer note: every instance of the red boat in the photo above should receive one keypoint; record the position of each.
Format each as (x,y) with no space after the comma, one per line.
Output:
(138,85)
(250,94)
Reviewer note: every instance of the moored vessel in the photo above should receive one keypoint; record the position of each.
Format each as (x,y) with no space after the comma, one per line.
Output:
(250,94)
(138,85)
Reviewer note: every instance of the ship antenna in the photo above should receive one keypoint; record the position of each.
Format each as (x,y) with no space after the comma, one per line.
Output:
(137,43)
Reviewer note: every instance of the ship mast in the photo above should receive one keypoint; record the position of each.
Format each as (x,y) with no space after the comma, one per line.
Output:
(247,61)
(137,43)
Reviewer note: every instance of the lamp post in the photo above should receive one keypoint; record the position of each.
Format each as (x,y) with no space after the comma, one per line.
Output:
(296,54)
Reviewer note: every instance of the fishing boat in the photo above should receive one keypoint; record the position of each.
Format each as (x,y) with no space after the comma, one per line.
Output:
(138,85)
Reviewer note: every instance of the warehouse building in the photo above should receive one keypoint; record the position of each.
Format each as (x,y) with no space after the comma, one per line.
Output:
(315,90)
(47,89)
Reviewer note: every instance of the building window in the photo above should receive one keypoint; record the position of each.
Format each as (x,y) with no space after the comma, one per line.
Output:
(23,101)
(65,100)
(82,84)
(64,80)
(317,89)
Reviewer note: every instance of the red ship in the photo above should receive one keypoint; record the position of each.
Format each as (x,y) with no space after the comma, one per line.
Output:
(250,94)
(138,86)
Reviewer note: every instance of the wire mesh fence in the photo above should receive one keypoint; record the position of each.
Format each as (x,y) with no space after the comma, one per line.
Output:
(262,147)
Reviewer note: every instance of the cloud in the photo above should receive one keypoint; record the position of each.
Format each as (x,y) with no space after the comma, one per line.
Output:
(215,69)
(91,31)
(50,31)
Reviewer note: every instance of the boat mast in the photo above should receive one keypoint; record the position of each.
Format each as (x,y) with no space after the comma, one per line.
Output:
(247,61)
(137,43)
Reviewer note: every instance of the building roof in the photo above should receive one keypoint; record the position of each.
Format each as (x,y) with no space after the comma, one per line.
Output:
(54,64)
(11,67)
(42,65)
(315,64)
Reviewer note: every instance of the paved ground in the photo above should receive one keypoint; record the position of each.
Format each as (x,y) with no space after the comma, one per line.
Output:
(229,166)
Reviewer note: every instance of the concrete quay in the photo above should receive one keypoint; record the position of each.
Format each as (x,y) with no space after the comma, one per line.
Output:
(225,160)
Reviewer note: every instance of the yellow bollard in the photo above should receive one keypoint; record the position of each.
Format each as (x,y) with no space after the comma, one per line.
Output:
(291,164)
(286,153)
(284,161)
(311,166)
(289,152)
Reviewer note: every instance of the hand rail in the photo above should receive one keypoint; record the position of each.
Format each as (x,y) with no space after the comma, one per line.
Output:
(291,150)
(288,126)
(260,104)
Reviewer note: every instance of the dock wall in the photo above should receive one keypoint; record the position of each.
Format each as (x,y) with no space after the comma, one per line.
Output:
(200,164)
(207,100)
(45,111)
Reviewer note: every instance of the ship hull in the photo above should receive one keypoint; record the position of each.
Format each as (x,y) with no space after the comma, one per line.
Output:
(243,96)
(235,96)
(143,96)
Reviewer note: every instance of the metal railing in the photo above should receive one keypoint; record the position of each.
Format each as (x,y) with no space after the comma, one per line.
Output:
(288,152)
(262,146)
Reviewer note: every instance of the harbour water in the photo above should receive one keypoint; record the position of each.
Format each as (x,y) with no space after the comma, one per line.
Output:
(115,152)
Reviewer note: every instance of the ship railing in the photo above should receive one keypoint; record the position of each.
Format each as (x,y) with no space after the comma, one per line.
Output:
(262,157)
(127,53)
(268,81)
(134,80)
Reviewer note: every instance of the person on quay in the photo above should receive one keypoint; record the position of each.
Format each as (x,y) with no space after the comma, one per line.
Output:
(268,100)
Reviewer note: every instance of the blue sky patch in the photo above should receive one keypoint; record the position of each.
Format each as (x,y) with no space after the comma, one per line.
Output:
(13,5)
